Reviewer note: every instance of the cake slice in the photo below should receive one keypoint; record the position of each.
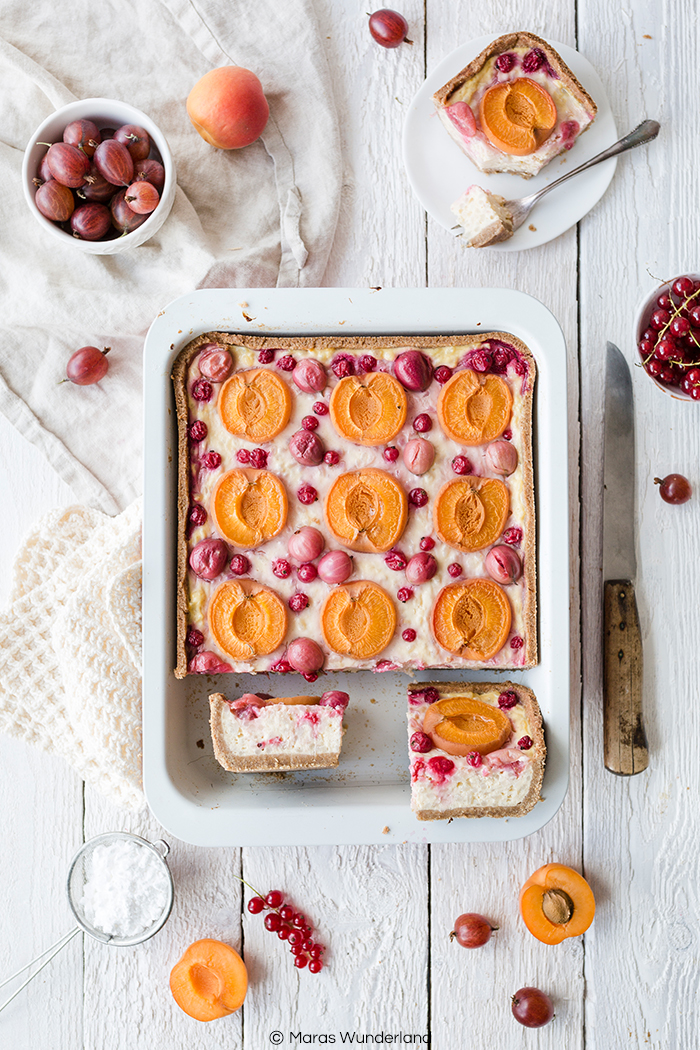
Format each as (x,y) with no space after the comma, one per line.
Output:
(515,107)
(483,217)
(476,749)
(253,734)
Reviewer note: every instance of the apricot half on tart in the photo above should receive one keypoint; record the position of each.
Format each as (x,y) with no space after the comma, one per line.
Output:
(255,405)
(368,409)
(367,510)
(473,408)
(461,724)
(246,619)
(358,619)
(249,506)
(472,618)
(517,116)
(470,512)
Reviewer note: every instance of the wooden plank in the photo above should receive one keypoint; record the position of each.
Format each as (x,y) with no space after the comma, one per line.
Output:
(42,804)
(474,987)
(370,908)
(642,834)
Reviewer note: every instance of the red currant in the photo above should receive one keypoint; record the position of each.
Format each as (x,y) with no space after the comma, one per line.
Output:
(272,922)
(426,543)
(309,423)
(683,286)
(287,912)
(256,905)
(300,961)
(315,966)
(409,635)
(391,454)
(320,408)
(274,899)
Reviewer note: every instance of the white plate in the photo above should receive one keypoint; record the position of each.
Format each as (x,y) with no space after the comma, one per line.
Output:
(439,172)
(189,793)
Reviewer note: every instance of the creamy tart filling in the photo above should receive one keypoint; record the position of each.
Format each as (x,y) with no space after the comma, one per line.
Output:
(208,451)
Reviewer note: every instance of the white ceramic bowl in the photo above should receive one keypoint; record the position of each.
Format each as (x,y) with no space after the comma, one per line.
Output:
(105,113)
(645,308)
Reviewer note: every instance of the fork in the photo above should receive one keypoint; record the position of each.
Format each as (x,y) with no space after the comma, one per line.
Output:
(644,132)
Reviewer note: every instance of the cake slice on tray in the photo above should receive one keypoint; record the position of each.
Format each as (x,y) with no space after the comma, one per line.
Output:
(476,749)
(515,107)
(254,734)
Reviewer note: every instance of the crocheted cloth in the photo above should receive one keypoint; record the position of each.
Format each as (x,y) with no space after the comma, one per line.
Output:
(70,646)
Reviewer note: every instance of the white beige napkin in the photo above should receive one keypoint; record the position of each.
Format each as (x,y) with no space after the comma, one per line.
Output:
(70,646)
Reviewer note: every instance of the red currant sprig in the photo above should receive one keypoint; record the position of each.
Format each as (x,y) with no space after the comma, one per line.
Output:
(673,324)
(291,926)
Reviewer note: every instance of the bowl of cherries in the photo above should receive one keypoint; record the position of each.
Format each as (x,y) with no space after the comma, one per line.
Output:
(668,336)
(98,174)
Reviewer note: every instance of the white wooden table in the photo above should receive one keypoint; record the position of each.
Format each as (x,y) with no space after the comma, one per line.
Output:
(386,912)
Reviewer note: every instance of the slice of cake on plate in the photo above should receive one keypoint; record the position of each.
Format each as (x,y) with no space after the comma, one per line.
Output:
(253,734)
(476,749)
(515,107)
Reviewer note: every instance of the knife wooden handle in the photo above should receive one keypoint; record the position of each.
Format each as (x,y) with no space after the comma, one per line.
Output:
(625,742)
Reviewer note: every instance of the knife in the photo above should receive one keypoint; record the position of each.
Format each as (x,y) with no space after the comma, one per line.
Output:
(624,739)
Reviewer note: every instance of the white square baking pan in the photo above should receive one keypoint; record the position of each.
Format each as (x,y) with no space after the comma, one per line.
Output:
(367,798)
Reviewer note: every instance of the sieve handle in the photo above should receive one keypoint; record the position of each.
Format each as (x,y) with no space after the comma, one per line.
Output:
(53,950)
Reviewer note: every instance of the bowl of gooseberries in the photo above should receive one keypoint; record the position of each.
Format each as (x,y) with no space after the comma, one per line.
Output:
(98,174)
(668,336)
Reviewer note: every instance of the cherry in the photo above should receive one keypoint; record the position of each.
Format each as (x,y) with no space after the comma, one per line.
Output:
(472,930)
(683,287)
(532,1008)
(659,319)
(674,488)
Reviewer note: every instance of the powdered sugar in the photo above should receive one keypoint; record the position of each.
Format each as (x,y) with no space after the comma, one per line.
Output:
(126,889)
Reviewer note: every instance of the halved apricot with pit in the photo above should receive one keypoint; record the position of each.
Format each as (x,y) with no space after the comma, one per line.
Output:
(368,409)
(472,618)
(249,506)
(555,903)
(461,724)
(358,619)
(209,981)
(246,619)
(470,512)
(517,116)
(367,510)
(474,408)
(255,404)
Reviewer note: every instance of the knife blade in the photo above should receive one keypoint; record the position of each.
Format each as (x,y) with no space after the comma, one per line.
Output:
(624,740)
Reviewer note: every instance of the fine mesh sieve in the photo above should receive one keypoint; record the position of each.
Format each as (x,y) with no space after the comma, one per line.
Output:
(78,875)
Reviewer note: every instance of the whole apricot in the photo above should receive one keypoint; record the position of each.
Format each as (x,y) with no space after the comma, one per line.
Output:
(228,107)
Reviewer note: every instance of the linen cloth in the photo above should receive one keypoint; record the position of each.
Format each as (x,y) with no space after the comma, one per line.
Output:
(263,216)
